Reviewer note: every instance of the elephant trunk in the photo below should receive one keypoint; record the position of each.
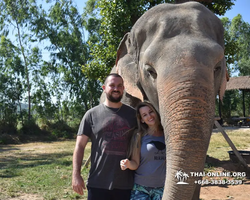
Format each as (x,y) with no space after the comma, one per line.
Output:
(186,107)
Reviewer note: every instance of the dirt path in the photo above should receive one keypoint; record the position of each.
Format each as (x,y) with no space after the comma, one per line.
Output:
(239,192)
(225,190)
(208,192)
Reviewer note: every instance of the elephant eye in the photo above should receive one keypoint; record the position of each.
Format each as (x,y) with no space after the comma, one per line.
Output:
(151,71)
(217,71)
(217,67)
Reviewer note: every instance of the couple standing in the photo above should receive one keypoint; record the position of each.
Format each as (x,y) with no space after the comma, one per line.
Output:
(120,146)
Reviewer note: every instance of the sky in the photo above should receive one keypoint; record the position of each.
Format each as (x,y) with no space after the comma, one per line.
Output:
(241,7)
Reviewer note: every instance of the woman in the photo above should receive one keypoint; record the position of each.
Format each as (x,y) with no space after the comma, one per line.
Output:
(147,155)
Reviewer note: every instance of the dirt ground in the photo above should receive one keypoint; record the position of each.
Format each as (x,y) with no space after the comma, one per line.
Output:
(239,192)
(226,191)
(208,192)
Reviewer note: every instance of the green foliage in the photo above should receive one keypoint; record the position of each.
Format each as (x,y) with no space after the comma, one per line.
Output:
(11,88)
(231,47)
(244,66)
(48,128)
(219,6)
(114,20)
(55,87)
(18,15)
(229,106)
(237,44)
(237,53)
(68,53)
(241,31)
(66,83)
(7,139)
(60,129)
(30,127)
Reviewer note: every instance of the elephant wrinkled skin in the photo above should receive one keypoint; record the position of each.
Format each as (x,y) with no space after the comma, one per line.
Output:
(174,57)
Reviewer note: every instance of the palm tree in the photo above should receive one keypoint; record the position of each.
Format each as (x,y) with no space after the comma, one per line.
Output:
(178,175)
(185,176)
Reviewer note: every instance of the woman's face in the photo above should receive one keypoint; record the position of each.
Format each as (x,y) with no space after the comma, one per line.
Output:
(148,116)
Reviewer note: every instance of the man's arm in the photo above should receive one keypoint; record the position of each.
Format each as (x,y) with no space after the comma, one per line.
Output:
(77,180)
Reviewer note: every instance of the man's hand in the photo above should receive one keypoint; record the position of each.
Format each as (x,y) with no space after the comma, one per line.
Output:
(78,184)
(77,181)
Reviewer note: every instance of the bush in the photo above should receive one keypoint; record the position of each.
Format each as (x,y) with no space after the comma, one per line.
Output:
(60,129)
(7,128)
(9,139)
(30,128)
(30,131)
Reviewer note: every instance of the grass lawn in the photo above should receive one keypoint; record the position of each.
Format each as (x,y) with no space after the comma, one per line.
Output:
(44,169)
(218,147)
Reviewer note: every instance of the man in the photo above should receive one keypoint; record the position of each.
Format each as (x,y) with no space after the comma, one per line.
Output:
(107,125)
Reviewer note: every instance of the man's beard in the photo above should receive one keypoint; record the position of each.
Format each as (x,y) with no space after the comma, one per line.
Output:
(114,99)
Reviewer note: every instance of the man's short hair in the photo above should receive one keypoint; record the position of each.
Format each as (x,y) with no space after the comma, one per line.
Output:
(114,75)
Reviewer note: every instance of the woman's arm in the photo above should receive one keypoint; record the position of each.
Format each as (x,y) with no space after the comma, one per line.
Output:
(134,162)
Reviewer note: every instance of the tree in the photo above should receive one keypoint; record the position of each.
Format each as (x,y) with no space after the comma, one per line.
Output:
(59,31)
(218,7)
(67,81)
(237,44)
(114,20)
(17,14)
(51,83)
(237,53)
(241,31)
(63,28)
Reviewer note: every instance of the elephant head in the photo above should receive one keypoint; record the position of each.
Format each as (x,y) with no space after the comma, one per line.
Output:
(174,57)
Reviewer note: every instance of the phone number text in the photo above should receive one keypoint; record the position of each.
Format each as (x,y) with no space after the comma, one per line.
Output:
(218,182)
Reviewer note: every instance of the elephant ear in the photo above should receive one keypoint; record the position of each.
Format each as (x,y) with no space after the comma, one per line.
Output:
(224,79)
(127,66)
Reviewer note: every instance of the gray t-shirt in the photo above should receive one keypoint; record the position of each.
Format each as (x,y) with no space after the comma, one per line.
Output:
(108,130)
(152,169)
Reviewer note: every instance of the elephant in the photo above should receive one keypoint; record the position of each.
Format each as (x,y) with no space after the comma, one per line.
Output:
(173,57)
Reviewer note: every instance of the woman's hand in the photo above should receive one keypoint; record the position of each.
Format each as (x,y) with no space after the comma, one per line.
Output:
(124,164)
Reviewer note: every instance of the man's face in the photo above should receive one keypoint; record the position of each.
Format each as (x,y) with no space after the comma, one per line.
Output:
(114,89)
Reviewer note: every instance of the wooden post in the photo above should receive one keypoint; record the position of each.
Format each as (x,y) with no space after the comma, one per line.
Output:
(243,162)
(244,112)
